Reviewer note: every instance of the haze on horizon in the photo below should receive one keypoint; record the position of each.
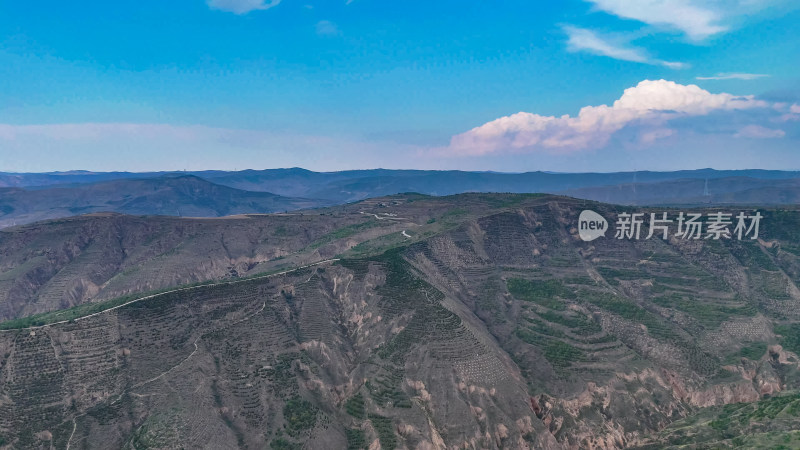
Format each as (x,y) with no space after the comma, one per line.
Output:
(583,85)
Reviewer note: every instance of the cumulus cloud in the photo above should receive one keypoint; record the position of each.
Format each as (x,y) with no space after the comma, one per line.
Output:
(759,132)
(581,39)
(650,104)
(734,76)
(691,17)
(242,6)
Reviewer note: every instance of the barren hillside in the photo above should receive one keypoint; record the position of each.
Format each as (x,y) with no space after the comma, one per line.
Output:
(475,321)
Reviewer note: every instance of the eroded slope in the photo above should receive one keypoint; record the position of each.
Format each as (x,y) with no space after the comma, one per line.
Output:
(483,324)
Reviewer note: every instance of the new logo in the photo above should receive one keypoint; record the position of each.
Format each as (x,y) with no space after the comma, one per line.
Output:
(591,225)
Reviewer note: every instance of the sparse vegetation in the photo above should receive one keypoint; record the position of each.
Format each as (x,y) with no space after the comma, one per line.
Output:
(345,232)
(790,336)
(708,313)
(430,330)
(355,406)
(541,292)
(383,426)
(283,444)
(356,440)
(300,415)
(561,354)
(752,350)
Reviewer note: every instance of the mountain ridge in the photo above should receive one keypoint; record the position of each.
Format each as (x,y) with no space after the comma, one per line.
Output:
(441,316)
(354,185)
(179,195)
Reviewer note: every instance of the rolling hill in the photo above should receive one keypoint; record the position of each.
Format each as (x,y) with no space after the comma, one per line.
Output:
(354,185)
(719,191)
(477,320)
(175,195)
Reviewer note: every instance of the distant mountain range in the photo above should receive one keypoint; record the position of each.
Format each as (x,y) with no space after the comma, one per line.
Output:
(717,191)
(27,197)
(181,195)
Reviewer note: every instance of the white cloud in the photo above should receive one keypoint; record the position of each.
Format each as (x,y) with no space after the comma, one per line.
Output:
(792,115)
(673,64)
(648,137)
(242,6)
(783,118)
(691,17)
(650,104)
(327,28)
(581,39)
(734,76)
(759,132)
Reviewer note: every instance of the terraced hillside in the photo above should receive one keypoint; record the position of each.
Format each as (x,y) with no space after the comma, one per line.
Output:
(478,321)
(57,264)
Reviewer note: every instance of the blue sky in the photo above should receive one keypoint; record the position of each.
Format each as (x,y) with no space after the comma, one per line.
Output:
(475,85)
